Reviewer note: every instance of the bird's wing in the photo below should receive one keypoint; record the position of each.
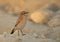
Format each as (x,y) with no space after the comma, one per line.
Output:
(18,21)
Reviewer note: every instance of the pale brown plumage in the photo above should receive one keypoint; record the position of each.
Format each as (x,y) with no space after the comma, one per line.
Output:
(20,23)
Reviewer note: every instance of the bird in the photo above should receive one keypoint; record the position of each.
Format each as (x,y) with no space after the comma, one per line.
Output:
(21,22)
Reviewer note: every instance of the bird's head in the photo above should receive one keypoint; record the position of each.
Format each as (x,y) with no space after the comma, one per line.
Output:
(24,13)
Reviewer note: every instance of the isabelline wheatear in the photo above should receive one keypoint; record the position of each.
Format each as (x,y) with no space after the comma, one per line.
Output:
(20,23)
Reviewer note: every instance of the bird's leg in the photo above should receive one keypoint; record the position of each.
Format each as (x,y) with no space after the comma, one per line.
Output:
(18,32)
(22,32)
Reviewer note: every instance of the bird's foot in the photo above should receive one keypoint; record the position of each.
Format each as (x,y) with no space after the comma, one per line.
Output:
(23,34)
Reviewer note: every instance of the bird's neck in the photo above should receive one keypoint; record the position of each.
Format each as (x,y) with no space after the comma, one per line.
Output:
(22,16)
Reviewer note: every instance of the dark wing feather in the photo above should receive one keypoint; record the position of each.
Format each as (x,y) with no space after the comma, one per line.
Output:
(18,21)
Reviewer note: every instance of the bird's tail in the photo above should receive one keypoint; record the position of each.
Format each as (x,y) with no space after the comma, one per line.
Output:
(12,31)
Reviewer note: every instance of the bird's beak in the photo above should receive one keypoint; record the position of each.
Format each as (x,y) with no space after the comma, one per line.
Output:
(26,12)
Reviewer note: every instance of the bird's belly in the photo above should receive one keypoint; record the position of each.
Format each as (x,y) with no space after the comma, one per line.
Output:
(20,26)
